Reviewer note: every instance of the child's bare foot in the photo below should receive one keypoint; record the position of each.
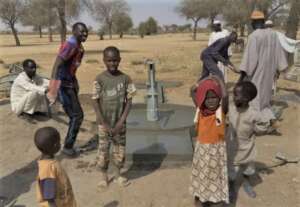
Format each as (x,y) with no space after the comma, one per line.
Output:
(122,181)
(103,183)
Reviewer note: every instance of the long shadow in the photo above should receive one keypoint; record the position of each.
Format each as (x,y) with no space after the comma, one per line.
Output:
(17,183)
(261,168)
(112,204)
(4,102)
(144,162)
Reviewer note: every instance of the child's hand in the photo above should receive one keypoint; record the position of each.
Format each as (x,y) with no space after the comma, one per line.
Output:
(106,128)
(117,129)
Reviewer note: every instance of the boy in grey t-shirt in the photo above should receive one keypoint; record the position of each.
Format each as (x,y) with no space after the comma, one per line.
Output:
(112,98)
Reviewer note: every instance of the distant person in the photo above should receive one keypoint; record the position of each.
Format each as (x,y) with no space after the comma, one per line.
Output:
(112,96)
(263,58)
(245,123)
(219,33)
(28,92)
(64,83)
(269,24)
(217,52)
(54,188)
(209,180)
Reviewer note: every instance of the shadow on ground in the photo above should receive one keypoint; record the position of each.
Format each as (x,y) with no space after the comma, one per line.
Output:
(17,183)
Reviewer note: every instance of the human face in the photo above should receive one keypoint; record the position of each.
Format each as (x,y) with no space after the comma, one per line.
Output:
(30,69)
(212,101)
(239,99)
(81,33)
(111,61)
(217,27)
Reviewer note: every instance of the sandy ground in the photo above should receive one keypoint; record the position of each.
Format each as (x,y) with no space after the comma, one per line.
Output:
(177,59)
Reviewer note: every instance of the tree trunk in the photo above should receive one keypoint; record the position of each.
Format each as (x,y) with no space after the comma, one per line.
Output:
(50,21)
(121,35)
(110,30)
(15,33)
(195,29)
(62,18)
(292,24)
(242,30)
(40,31)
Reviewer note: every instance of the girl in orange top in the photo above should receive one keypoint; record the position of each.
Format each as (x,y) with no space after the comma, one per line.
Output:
(209,178)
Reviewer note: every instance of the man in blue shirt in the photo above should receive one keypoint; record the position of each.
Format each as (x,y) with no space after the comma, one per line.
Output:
(217,52)
(64,83)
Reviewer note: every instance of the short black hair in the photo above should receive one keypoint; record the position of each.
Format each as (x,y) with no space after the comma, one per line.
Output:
(77,24)
(27,62)
(112,49)
(45,138)
(248,89)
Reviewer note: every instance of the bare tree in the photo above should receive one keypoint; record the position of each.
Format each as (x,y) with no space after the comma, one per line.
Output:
(34,14)
(10,12)
(106,11)
(66,10)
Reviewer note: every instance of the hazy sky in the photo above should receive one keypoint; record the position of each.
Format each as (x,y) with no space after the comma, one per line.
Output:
(161,10)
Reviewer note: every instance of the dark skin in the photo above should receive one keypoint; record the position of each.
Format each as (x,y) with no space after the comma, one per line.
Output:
(30,69)
(217,27)
(81,34)
(225,100)
(112,60)
(240,100)
(212,101)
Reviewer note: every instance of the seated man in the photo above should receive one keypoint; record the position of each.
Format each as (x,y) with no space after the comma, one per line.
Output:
(28,92)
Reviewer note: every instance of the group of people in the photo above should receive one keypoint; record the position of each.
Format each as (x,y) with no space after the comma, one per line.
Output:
(217,158)
(225,147)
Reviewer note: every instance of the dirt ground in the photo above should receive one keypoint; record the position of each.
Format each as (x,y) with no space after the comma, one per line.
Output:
(177,58)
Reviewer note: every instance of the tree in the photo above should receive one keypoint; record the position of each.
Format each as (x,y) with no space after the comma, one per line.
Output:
(148,27)
(107,11)
(293,23)
(151,26)
(237,13)
(34,14)
(10,12)
(142,29)
(122,23)
(192,10)
(66,10)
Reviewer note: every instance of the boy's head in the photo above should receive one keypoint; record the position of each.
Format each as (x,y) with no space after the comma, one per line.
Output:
(243,93)
(47,140)
(80,31)
(111,59)
(29,66)
(217,26)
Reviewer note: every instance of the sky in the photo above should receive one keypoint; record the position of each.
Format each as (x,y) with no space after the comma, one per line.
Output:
(162,10)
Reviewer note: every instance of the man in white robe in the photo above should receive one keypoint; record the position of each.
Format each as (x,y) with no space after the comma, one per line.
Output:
(263,57)
(28,91)
(219,33)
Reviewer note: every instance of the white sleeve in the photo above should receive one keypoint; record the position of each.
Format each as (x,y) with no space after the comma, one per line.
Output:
(30,86)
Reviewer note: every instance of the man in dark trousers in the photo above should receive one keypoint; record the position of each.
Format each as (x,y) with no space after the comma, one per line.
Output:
(64,83)
(217,52)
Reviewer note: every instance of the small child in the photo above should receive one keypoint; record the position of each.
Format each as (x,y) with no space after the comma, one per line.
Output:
(53,185)
(209,178)
(112,98)
(244,123)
